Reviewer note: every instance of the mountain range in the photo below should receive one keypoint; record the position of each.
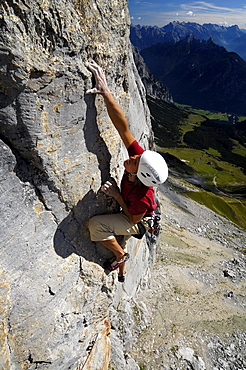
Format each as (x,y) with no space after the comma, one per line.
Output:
(196,70)
(200,73)
(232,38)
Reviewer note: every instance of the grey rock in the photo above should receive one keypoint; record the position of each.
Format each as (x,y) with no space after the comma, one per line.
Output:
(186,353)
(57,147)
(120,359)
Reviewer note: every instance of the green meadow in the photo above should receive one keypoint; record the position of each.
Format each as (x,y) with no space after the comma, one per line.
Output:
(206,150)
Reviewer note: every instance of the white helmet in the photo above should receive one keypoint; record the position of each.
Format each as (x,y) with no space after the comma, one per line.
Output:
(152,169)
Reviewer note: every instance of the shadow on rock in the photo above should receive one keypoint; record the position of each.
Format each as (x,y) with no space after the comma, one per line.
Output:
(72,234)
(93,140)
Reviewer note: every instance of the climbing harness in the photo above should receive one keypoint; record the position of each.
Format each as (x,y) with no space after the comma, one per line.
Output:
(150,224)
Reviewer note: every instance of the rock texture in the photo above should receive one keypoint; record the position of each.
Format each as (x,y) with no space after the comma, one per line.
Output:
(57,147)
(59,309)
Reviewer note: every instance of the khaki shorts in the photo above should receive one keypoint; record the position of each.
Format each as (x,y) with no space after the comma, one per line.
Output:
(106,227)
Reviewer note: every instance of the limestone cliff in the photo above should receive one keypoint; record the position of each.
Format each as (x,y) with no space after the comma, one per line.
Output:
(57,147)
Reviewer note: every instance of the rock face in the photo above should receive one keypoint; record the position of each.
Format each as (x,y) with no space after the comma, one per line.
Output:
(57,147)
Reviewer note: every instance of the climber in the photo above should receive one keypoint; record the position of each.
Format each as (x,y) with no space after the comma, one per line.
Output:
(143,170)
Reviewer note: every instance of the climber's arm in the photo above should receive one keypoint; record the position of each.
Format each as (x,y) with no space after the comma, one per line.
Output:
(114,111)
(119,120)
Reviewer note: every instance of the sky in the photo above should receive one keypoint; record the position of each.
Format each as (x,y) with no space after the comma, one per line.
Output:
(161,12)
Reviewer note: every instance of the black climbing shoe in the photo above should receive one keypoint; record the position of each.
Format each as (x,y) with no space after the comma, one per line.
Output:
(121,278)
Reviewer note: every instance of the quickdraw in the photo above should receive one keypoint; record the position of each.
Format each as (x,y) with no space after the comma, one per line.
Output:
(151,225)
(154,226)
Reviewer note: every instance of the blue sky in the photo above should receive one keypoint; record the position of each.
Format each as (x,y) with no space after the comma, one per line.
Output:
(161,12)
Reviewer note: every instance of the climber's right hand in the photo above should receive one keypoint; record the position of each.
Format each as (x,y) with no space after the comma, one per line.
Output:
(101,83)
(109,189)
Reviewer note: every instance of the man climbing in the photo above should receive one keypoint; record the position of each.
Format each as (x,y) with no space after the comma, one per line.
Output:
(143,170)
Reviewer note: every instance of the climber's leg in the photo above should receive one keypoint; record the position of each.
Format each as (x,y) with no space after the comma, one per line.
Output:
(106,227)
(113,245)
(122,269)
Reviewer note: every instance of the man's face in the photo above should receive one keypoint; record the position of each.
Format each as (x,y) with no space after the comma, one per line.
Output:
(131,164)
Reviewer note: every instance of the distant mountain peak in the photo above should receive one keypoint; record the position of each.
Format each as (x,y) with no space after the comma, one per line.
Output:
(200,73)
(190,38)
(232,38)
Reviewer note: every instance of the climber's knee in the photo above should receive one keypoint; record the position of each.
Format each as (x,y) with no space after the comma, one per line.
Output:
(98,228)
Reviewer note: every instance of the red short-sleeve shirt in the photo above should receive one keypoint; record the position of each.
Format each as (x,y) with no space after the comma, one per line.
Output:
(139,199)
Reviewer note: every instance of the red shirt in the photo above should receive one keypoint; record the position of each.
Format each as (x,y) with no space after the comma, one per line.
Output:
(139,199)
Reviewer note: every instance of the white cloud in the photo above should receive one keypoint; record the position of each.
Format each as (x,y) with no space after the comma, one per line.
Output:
(224,24)
(202,5)
(205,12)
(200,11)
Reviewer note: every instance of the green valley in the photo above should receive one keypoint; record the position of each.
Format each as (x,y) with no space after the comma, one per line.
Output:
(206,150)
